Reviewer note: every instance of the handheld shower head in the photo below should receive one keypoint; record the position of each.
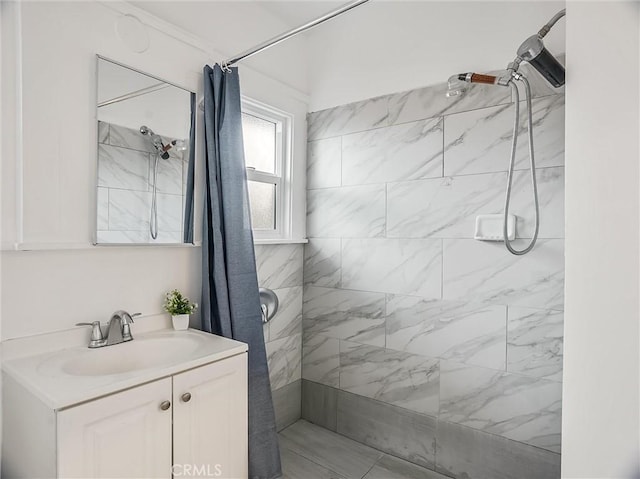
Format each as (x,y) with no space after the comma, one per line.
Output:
(163,150)
(533,52)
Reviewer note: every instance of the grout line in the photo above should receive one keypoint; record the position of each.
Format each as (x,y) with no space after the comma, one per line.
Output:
(372,466)
(443,146)
(310,459)
(442,268)
(506,337)
(413,180)
(341,163)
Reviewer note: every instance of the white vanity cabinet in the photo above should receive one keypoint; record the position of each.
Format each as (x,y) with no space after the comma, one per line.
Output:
(210,420)
(192,423)
(123,435)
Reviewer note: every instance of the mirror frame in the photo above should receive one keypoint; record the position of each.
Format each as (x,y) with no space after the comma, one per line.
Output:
(198,151)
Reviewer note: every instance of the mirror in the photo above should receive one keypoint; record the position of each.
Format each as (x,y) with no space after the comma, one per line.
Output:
(146,140)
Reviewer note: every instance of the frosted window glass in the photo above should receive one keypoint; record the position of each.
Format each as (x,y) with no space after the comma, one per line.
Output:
(262,197)
(259,143)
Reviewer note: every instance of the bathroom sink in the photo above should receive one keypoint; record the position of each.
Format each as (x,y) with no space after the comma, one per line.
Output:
(150,351)
(132,355)
(68,376)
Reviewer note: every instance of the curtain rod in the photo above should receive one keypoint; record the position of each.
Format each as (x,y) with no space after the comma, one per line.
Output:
(133,94)
(284,36)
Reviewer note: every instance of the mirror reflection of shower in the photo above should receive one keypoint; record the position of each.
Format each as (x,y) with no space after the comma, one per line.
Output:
(533,52)
(162,151)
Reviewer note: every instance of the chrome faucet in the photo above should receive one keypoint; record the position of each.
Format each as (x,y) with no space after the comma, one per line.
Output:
(118,330)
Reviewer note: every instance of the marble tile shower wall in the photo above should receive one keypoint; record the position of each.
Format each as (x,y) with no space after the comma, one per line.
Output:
(401,304)
(279,268)
(125,182)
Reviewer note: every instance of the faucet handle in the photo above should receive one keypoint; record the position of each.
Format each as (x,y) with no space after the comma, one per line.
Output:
(124,317)
(96,331)
(126,328)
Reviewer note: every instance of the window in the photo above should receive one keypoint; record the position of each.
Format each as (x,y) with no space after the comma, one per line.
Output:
(267,150)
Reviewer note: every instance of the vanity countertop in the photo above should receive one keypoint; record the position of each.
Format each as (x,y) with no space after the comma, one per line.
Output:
(70,376)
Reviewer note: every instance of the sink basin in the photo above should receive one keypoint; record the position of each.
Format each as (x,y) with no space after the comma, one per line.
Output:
(150,351)
(131,356)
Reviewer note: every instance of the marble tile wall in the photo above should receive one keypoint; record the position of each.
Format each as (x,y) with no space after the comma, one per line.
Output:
(279,268)
(401,305)
(126,161)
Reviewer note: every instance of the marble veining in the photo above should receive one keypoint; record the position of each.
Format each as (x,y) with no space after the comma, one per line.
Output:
(122,237)
(353,315)
(479,141)
(288,319)
(341,120)
(284,359)
(324,163)
(122,168)
(456,330)
(322,262)
(169,175)
(129,210)
(442,207)
(402,379)
(130,138)
(169,212)
(103,132)
(551,200)
(167,237)
(353,211)
(321,359)
(517,407)
(431,101)
(409,151)
(534,342)
(103,208)
(401,266)
(468,333)
(279,266)
(486,272)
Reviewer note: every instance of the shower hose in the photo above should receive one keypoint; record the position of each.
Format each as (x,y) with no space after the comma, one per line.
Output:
(153,220)
(514,144)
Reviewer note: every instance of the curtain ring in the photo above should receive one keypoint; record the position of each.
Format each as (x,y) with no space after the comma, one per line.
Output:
(225,67)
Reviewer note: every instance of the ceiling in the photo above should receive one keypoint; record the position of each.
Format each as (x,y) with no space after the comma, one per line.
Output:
(445,35)
(299,12)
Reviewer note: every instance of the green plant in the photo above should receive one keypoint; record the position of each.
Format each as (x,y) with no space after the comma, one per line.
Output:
(176,303)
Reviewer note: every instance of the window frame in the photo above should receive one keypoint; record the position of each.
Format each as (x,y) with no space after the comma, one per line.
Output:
(283,165)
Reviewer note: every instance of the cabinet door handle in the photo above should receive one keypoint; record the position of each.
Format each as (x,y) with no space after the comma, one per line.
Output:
(186,397)
(164,405)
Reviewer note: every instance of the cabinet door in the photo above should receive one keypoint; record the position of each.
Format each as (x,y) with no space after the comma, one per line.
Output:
(124,435)
(210,420)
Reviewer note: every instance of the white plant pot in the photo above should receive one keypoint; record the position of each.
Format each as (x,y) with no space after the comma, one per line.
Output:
(180,321)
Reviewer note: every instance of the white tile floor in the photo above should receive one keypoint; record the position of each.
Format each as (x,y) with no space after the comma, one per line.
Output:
(312,452)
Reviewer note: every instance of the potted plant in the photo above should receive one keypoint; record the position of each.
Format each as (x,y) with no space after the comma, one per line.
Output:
(179,307)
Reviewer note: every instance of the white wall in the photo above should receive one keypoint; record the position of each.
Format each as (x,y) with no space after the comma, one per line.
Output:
(233,26)
(601,364)
(390,46)
(49,161)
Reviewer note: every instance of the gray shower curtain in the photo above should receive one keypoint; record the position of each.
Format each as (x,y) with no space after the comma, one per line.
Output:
(230,297)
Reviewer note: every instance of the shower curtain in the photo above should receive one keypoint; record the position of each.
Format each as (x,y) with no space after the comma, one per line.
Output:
(189,198)
(230,297)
